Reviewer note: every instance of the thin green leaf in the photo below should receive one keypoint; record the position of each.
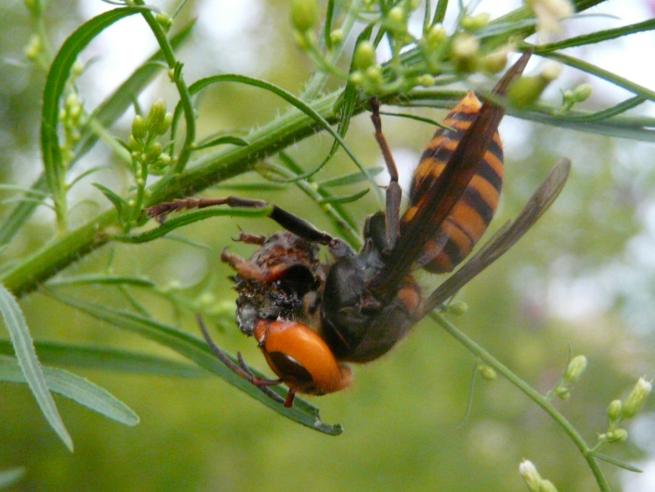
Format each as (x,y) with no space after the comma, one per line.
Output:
(108,359)
(415,117)
(221,140)
(119,203)
(10,476)
(603,74)
(616,462)
(86,173)
(261,186)
(105,114)
(54,88)
(327,29)
(189,218)
(615,110)
(197,350)
(352,178)
(596,37)
(344,199)
(23,189)
(101,280)
(202,84)
(29,363)
(76,388)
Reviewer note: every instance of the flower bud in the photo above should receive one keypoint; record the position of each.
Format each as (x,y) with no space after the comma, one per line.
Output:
(396,20)
(562,392)
(616,436)
(336,37)
(435,37)
(458,308)
(164,20)
(465,52)
(475,23)
(576,367)
(525,91)
(139,129)
(530,475)
(487,372)
(582,92)
(494,62)
(426,80)
(364,55)
(374,75)
(304,14)
(156,115)
(636,398)
(614,410)
(357,77)
(34,48)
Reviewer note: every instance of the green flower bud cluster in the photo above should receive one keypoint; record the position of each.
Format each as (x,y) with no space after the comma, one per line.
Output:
(574,371)
(34,49)
(146,151)
(619,411)
(72,118)
(572,97)
(526,90)
(533,479)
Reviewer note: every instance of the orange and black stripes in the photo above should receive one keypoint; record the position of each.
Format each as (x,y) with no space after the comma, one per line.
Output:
(453,239)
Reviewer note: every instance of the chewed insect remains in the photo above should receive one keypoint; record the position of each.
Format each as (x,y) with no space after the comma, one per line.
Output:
(311,318)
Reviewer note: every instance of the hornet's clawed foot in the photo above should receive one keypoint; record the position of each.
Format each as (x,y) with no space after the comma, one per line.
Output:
(242,369)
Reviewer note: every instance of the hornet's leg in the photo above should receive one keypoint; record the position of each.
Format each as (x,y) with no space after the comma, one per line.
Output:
(241,368)
(394,193)
(290,222)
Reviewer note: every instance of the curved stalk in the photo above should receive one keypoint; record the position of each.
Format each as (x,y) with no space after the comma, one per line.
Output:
(530,392)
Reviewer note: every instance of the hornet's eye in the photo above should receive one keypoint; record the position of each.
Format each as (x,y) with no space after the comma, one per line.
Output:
(293,372)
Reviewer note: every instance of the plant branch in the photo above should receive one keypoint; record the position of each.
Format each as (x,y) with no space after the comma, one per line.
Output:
(531,393)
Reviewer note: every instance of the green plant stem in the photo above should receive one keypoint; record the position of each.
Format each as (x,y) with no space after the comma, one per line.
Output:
(178,79)
(205,171)
(530,392)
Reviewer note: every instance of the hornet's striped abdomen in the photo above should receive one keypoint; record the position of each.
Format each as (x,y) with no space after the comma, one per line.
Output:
(454,239)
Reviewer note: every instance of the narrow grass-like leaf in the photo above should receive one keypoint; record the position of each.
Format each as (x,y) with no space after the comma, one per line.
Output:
(344,199)
(617,462)
(440,12)
(595,70)
(202,84)
(101,280)
(29,363)
(596,37)
(221,140)
(415,117)
(190,218)
(108,359)
(105,115)
(261,186)
(197,350)
(10,476)
(76,388)
(54,88)
(597,122)
(23,189)
(119,203)
(351,178)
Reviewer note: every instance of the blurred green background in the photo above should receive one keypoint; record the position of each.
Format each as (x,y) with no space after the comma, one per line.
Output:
(581,282)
